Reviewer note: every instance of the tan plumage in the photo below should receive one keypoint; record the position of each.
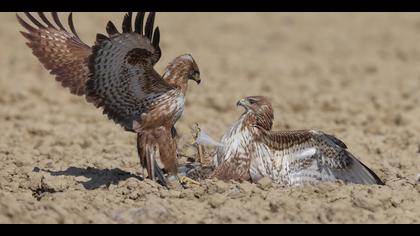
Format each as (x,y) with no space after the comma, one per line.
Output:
(251,151)
(117,74)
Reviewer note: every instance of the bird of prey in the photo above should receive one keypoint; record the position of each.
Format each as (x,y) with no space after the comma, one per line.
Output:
(250,150)
(117,75)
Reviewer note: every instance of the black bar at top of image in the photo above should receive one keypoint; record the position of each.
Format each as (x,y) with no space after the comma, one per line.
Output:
(208,5)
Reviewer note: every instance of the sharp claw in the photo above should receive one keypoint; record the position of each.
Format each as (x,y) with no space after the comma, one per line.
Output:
(188,182)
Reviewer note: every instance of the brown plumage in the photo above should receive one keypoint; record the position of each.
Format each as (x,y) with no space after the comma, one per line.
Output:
(117,74)
(61,52)
(251,151)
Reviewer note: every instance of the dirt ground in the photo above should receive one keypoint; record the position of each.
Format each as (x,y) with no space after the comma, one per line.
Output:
(356,75)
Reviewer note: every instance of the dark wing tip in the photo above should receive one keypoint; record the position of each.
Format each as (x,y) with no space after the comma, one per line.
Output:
(156,38)
(139,21)
(35,21)
(149,25)
(45,20)
(25,24)
(100,38)
(28,36)
(71,24)
(375,176)
(153,36)
(126,25)
(111,29)
(57,21)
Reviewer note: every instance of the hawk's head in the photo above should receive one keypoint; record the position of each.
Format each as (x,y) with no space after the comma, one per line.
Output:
(182,69)
(260,108)
(194,72)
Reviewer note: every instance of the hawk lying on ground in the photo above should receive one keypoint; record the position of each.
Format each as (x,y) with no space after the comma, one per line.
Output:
(117,74)
(249,150)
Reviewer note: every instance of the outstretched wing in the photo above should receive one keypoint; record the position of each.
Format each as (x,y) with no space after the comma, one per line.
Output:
(122,73)
(311,156)
(60,51)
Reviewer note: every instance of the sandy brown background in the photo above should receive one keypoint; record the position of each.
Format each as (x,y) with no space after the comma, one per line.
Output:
(356,75)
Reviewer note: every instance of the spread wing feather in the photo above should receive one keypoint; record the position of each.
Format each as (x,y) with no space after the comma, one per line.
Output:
(122,73)
(61,52)
(314,157)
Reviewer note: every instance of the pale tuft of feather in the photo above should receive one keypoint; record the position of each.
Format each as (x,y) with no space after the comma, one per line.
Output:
(204,139)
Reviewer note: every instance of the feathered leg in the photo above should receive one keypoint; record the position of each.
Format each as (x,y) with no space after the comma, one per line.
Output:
(168,157)
(148,151)
(140,153)
(158,145)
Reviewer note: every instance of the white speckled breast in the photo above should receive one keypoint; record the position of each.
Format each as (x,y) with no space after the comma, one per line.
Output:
(234,141)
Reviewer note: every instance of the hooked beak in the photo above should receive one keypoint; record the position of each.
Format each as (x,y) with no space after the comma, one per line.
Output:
(243,102)
(196,78)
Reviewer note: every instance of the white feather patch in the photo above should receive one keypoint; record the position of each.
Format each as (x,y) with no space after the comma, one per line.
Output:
(306,153)
(186,57)
(204,139)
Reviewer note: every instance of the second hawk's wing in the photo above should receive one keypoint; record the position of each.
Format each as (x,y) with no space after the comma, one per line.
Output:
(308,156)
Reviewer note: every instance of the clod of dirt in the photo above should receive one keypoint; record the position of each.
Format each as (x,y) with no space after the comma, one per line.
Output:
(216,200)
(146,214)
(265,183)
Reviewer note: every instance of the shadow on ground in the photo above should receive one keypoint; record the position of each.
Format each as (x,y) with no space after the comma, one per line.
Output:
(98,177)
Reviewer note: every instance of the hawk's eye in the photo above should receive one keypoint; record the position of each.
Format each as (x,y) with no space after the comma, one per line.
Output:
(251,101)
(193,73)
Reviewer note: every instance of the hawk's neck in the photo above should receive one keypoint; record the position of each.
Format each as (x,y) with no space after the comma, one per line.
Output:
(246,122)
(252,123)
(177,78)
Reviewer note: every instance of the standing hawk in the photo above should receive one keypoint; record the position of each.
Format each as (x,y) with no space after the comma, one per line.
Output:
(250,150)
(117,74)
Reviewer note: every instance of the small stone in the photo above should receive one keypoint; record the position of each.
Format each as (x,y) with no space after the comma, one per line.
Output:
(135,195)
(81,179)
(234,192)
(265,183)
(19,163)
(221,186)
(187,193)
(274,207)
(199,191)
(174,193)
(217,200)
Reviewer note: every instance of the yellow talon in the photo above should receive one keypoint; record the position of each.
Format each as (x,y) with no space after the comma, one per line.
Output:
(188,182)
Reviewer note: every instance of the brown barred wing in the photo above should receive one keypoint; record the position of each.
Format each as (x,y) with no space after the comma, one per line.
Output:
(310,156)
(122,74)
(61,52)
